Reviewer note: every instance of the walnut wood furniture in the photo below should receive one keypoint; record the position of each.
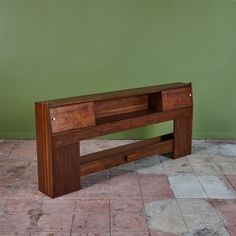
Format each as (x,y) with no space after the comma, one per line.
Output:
(61,124)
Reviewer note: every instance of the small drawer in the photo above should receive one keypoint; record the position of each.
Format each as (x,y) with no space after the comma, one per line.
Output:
(72,117)
(176,98)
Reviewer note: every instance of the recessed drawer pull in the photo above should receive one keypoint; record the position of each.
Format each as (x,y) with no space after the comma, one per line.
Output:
(131,157)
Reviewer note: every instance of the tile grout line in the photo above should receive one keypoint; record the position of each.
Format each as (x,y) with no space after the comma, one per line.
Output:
(223,174)
(196,175)
(136,171)
(14,146)
(109,200)
(208,198)
(219,214)
(175,196)
(198,180)
(176,199)
(73,217)
(180,210)
(234,188)
(221,171)
(165,173)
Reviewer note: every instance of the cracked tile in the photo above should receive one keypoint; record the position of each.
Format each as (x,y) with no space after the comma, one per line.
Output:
(228,209)
(186,186)
(184,217)
(232,180)
(200,216)
(176,167)
(201,159)
(206,169)
(227,164)
(165,216)
(224,148)
(217,187)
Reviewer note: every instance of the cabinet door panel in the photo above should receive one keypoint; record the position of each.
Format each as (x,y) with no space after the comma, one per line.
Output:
(72,117)
(177,98)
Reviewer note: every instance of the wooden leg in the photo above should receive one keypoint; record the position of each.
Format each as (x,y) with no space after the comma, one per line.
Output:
(66,169)
(182,137)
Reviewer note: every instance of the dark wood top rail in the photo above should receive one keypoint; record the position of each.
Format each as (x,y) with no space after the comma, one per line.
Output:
(110,95)
(62,123)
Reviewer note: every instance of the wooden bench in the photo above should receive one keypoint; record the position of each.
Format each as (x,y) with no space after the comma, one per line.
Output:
(61,124)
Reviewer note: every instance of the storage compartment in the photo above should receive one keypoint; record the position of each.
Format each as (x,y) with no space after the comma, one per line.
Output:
(70,117)
(120,108)
(155,102)
(176,98)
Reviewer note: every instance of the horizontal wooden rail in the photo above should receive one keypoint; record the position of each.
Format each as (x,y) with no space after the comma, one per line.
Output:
(124,148)
(74,136)
(102,160)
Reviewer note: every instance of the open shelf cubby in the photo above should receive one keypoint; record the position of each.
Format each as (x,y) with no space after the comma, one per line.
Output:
(127,107)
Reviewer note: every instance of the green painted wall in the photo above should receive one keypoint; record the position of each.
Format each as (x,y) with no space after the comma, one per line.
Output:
(53,48)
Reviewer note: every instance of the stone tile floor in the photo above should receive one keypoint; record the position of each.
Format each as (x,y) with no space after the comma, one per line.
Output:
(156,196)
